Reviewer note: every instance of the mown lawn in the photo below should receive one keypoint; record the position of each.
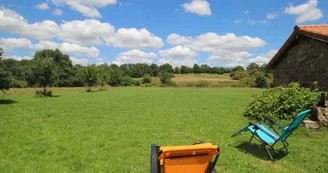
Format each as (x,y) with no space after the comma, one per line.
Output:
(112,131)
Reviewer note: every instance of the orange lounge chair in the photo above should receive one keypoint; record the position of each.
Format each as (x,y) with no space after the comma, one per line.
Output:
(197,158)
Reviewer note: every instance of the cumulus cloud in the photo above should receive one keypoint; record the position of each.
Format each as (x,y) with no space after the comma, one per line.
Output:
(18,58)
(263,58)
(223,48)
(199,7)
(87,8)
(237,21)
(305,12)
(72,49)
(133,38)
(81,61)
(42,6)
(135,56)
(86,32)
(178,62)
(57,12)
(178,52)
(9,43)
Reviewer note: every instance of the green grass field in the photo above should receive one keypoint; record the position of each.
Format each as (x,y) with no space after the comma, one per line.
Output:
(112,131)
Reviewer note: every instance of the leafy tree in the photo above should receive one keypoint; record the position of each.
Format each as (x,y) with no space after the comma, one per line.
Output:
(253,66)
(204,68)
(103,75)
(4,76)
(221,70)
(90,76)
(44,72)
(78,79)
(238,68)
(176,70)
(184,69)
(65,70)
(261,82)
(154,69)
(196,68)
(165,68)
(115,77)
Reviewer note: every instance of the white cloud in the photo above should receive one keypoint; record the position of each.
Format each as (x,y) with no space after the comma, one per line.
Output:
(86,32)
(134,39)
(237,21)
(178,53)
(81,61)
(263,58)
(305,12)
(135,56)
(252,22)
(42,6)
(246,12)
(235,64)
(73,49)
(199,7)
(57,12)
(223,48)
(9,43)
(18,58)
(271,16)
(178,62)
(12,22)
(86,7)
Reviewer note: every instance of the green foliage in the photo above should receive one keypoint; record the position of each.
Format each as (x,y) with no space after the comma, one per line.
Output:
(47,93)
(146,79)
(78,78)
(253,66)
(196,68)
(104,75)
(238,68)
(115,77)
(247,82)
(282,103)
(237,75)
(18,84)
(261,82)
(166,68)
(4,79)
(128,81)
(165,78)
(43,72)
(91,76)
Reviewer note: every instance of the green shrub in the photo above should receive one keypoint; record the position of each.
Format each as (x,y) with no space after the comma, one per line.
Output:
(126,81)
(261,82)
(247,82)
(18,84)
(282,103)
(239,75)
(146,79)
(47,93)
(165,78)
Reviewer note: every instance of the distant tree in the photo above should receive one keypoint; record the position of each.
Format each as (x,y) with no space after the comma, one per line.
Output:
(165,78)
(185,70)
(104,75)
(238,68)
(204,68)
(154,69)
(78,79)
(196,68)
(4,76)
(221,70)
(177,70)
(90,76)
(115,77)
(165,68)
(43,72)
(253,66)
(261,82)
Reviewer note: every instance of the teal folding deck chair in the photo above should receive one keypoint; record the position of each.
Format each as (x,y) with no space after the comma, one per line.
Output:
(269,137)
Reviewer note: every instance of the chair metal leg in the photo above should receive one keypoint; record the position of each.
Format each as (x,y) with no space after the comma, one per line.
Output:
(269,152)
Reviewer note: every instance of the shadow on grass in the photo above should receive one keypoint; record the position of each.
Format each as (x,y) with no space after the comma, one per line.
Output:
(7,101)
(259,152)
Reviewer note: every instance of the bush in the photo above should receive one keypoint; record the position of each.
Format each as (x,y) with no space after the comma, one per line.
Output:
(18,84)
(282,103)
(165,78)
(43,93)
(202,84)
(146,79)
(126,81)
(247,82)
(261,82)
(239,75)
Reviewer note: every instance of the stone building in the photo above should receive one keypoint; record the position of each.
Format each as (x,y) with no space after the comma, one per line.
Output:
(303,58)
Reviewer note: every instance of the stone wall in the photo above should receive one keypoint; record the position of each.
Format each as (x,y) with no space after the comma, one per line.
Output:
(305,62)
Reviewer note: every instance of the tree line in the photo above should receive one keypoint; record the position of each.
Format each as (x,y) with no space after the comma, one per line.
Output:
(55,69)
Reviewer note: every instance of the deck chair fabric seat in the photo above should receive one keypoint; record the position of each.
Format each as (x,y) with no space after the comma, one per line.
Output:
(269,137)
(199,158)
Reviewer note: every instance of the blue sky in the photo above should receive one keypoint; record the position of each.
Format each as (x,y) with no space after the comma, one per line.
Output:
(179,32)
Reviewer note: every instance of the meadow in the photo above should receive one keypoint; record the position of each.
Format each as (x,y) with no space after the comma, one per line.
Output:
(112,131)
